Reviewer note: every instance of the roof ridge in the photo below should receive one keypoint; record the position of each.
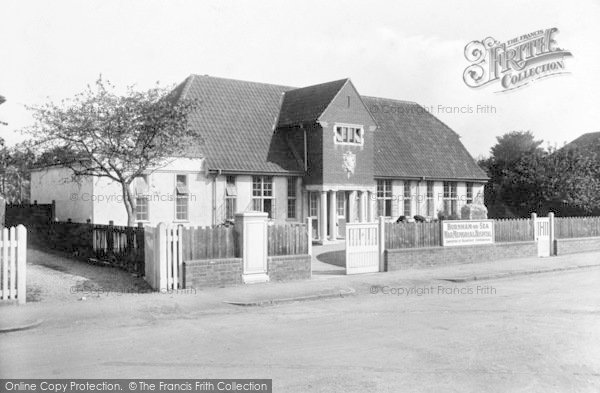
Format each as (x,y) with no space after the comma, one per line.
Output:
(244,81)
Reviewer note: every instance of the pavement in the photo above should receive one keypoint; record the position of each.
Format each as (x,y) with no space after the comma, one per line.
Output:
(328,282)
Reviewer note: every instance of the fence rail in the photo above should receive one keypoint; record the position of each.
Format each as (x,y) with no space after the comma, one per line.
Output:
(13,264)
(287,239)
(571,227)
(513,230)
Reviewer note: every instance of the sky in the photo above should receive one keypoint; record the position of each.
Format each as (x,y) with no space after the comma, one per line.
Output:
(405,50)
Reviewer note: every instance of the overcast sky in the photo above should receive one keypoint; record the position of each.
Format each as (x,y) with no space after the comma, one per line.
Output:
(406,50)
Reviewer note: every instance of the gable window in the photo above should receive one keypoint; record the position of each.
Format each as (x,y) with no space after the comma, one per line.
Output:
(430,206)
(182,198)
(230,198)
(469,193)
(407,199)
(450,197)
(352,135)
(384,198)
(262,194)
(291,197)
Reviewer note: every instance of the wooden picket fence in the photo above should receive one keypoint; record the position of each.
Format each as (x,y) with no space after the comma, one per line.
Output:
(413,235)
(209,243)
(513,230)
(572,227)
(13,264)
(287,239)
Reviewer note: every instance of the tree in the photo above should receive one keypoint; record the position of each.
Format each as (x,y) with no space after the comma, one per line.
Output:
(101,133)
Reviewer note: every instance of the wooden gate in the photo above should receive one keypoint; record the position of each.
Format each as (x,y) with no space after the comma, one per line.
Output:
(13,263)
(542,236)
(362,247)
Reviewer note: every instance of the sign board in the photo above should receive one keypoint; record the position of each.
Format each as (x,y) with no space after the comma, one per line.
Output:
(467,232)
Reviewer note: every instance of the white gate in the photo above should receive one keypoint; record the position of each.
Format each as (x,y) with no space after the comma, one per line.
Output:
(13,263)
(362,247)
(544,235)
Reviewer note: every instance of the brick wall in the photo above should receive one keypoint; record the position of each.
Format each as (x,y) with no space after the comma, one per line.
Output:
(575,245)
(289,267)
(400,259)
(212,273)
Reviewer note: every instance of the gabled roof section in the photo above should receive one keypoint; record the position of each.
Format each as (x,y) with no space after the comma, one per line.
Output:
(412,143)
(307,103)
(588,141)
(236,120)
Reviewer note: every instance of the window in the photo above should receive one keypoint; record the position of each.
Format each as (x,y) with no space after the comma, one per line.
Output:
(262,194)
(450,198)
(341,204)
(230,198)
(141,208)
(430,203)
(142,194)
(384,198)
(313,203)
(182,199)
(469,193)
(291,197)
(407,199)
(349,135)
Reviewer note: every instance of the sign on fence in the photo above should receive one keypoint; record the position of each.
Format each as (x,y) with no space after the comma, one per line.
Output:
(467,232)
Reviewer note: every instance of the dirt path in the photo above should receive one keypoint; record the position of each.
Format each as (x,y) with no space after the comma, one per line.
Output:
(54,277)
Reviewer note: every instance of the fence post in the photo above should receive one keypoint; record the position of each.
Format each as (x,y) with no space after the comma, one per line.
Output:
(551,234)
(2,211)
(381,250)
(533,220)
(309,234)
(21,264)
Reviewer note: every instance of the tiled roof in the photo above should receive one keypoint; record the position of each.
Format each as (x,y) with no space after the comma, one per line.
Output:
(586,141)
(411,142)
(307,103)
(236,120)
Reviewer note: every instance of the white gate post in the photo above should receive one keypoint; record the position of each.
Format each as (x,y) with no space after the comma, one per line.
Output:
(533,222)
(551,233)
(309,230)
(381,239)
(252,234)
(21,264)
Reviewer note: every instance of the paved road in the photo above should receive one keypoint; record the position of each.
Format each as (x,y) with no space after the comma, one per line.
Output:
(537,333)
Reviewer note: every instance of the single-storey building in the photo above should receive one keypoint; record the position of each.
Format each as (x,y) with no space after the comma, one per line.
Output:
(321,151)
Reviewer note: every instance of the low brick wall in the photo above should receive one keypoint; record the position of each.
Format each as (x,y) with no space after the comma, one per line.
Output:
(575,245)
(212,273)
(289,267)
(406,258)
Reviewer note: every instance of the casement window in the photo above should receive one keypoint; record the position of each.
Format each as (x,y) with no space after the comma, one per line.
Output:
(230,198)
(469,193)
(352,135)
(384,198)
(313,204)
(291,197)
(182,198)
(407,200)
(262,194)
(430,200)
(341,204)
(450,197)
(141,192)
(141,208)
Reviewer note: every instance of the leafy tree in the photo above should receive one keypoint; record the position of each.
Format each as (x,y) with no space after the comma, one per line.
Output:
(101,133)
